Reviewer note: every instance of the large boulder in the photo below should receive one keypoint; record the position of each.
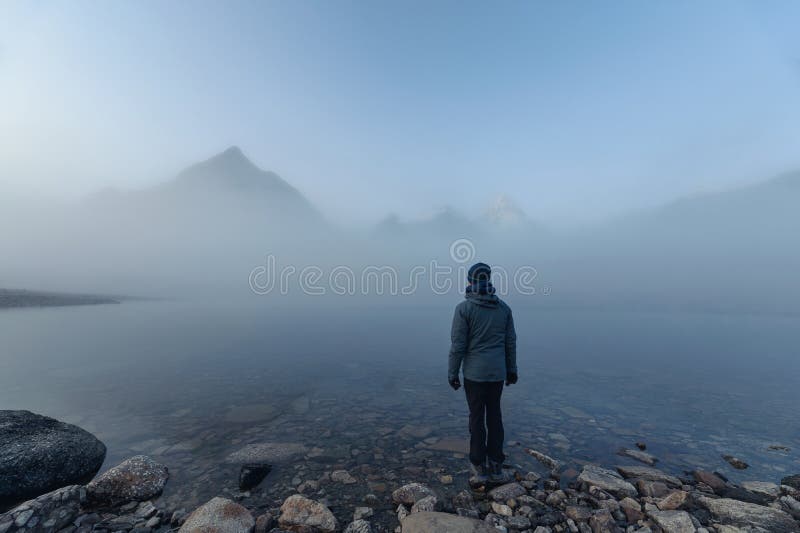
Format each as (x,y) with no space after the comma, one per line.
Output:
(49,512)
(749,515)
(301,515)
(39,454)
(219,515)
(426,522)
(136,479)
(607,480)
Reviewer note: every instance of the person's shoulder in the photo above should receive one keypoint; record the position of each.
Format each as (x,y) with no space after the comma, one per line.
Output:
(503,305)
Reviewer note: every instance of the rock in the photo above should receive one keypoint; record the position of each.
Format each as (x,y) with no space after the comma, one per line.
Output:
(264,523)
(342,476)
(602,522)
(362,512)
(712,480)
(738,493)
(138,478)
(419,432)
(358,526)
(266,452)
(632,510)
(606,480)
(792,481)
(443,523)
(507,491)
(639,456)
(578,513)
(39,454)
(409,494)
(428,503)
(673,521)
(518,523)
(402,512)
(301,515)
(673,501)
(735,462)
(252,474)
(763,488)
(648,473)
(653,489)
(502,509)
(178,517)
(48,512)
(464,500)
(743,514)
(554,499)
(219,515)
(450,444)
(792,506)
(145,510)
(546,460)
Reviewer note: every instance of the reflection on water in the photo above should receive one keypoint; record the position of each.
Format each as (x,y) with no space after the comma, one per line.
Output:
(365,390)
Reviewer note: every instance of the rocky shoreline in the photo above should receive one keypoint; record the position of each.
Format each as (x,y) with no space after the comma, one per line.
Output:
(17,298)
(555,498)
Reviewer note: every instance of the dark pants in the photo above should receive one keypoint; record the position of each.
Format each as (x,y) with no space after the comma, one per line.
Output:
(483,398)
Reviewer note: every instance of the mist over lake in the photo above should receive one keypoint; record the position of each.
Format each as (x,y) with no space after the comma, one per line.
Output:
(186,382)
(327,267)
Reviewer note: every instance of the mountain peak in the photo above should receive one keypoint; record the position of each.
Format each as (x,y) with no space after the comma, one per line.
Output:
(231,156)
(503,210)
(232,151)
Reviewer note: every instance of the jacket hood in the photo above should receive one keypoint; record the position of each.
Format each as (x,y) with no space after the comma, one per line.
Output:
(484,300)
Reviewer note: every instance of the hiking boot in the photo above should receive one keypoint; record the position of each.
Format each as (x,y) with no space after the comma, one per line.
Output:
(479,475)
(496,474)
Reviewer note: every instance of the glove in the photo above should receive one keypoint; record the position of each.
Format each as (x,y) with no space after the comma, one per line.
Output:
(511,378)
(455,383)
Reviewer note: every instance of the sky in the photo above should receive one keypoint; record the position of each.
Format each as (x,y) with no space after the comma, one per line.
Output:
(575,110)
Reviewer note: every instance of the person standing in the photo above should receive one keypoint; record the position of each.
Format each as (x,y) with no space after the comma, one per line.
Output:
(484,343)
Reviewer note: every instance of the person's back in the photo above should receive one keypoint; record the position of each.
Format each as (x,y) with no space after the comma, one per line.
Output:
(485,344)
(489,330)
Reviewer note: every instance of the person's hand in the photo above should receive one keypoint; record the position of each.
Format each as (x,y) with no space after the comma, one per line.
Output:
(455,383)
(511,378)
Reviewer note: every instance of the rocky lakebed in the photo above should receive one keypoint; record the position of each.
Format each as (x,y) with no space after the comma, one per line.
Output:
(404,478)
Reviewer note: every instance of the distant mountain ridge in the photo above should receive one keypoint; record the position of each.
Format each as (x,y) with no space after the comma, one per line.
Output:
(232,169)
(225,185)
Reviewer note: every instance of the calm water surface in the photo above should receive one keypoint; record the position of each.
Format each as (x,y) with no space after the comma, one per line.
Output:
(364,388)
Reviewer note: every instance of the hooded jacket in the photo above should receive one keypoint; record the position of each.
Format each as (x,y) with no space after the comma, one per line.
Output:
(483,339)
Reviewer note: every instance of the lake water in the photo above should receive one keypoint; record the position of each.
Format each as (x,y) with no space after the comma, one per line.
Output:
(363,387)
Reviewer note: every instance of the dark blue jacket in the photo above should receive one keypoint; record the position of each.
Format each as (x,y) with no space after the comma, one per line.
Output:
(483,339)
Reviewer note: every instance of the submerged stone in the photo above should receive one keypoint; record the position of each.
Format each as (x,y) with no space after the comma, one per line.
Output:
(252,474)
(432,522)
